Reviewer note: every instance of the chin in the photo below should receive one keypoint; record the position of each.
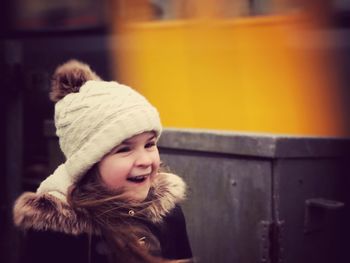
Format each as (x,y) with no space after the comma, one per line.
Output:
(143,196)
(139,196)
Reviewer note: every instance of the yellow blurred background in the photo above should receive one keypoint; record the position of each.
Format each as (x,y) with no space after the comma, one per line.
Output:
(220,65)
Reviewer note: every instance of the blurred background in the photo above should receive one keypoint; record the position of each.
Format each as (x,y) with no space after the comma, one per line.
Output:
(261,66)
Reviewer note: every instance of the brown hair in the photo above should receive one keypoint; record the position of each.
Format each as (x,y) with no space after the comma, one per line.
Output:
(120,222)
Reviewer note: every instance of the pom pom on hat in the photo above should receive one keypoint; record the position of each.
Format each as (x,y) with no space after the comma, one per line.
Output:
(69,77)
(91,118)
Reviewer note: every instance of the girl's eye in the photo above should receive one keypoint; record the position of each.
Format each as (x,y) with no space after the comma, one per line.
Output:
(123,150)
(150,144)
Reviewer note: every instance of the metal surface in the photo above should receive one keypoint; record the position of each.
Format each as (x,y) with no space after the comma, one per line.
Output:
(228,199)
(265,243)
(300,172)
(315,229)
(254,144)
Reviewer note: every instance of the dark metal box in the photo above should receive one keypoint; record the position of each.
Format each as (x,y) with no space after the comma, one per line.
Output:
(262,198)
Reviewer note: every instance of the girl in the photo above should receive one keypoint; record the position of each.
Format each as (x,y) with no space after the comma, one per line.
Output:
(108,202)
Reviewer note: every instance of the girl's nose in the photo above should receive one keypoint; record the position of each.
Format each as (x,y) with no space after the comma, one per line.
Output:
(143,159)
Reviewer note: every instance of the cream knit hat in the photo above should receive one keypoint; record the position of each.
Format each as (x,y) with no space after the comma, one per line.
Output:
(92,117)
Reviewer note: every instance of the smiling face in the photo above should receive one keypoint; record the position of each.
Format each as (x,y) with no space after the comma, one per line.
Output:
(132,166)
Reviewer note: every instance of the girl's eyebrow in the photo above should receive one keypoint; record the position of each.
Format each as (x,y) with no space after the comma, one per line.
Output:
(153,136)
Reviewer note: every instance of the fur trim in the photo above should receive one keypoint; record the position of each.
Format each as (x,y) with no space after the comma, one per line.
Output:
(46,212)
(168,190)
(69,77)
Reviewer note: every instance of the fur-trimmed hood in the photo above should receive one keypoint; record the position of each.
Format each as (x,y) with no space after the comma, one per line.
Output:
(47,212)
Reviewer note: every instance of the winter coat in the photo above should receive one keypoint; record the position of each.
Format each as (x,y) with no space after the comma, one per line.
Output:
(54,232)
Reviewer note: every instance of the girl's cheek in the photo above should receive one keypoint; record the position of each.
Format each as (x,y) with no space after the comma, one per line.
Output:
(156,159)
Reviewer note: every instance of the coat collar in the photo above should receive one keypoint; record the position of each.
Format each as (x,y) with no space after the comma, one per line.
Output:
(47,212)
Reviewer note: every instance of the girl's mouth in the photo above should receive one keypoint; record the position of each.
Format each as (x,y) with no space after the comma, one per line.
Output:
(137,179)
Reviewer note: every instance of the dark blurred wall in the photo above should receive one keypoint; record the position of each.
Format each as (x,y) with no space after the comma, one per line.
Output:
(26,64)
(27,61)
